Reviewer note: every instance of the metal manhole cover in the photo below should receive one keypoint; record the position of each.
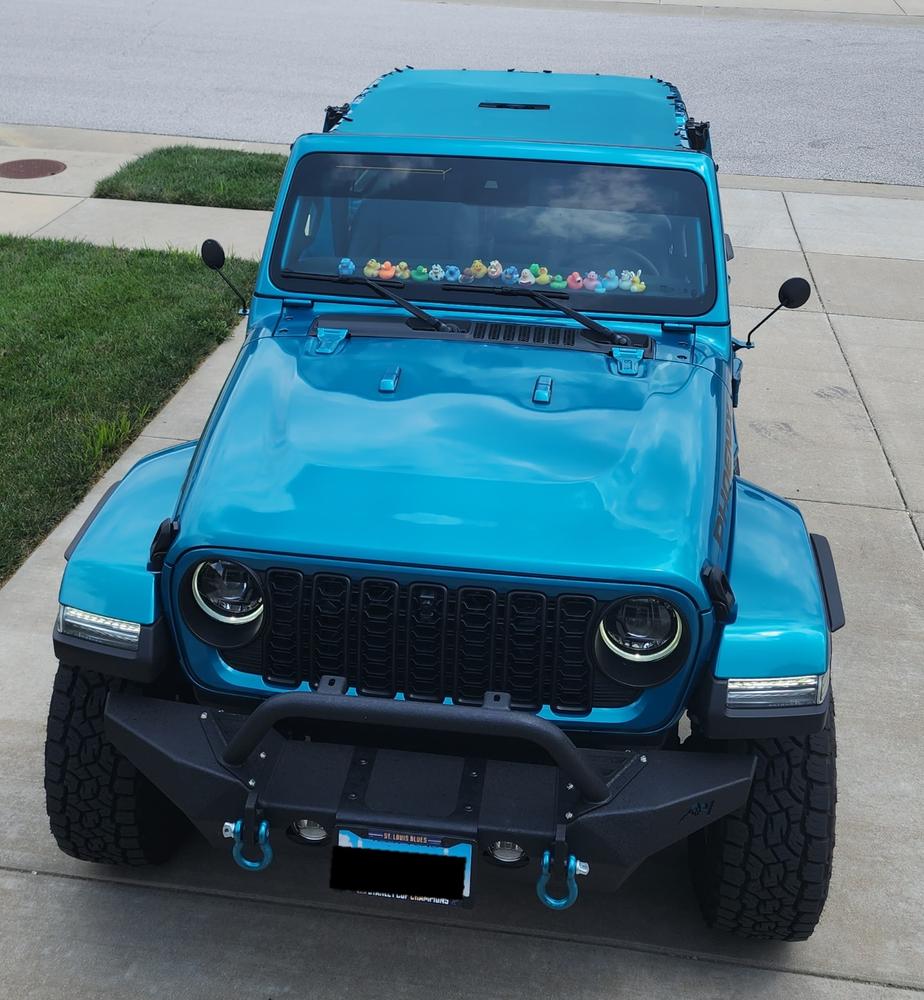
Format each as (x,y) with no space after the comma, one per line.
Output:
(27,170)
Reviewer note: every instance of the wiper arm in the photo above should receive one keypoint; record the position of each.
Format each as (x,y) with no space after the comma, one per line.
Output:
(432,322)
(603,334)
(579,317)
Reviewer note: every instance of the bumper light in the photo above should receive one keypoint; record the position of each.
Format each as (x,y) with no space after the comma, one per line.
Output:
(98,628)
(507,852)
(776,692)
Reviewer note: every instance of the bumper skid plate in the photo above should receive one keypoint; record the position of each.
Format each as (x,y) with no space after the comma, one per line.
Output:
(334,759)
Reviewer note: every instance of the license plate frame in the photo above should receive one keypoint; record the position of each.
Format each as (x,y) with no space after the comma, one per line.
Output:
(401,864)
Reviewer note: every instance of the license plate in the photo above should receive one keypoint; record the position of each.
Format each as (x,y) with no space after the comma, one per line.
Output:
(415,866)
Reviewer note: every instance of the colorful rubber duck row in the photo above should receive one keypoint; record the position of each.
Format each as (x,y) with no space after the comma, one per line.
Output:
(535,274)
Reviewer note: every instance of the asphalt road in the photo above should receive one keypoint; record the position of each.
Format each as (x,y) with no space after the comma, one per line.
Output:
(787,96)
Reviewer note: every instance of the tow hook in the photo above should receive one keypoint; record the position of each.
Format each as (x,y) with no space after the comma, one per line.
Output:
(571,869)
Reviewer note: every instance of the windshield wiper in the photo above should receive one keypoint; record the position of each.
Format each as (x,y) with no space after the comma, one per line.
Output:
(431,322)
(603,334)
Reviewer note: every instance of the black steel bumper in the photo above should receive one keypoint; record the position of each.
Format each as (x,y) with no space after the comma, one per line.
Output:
(282,763)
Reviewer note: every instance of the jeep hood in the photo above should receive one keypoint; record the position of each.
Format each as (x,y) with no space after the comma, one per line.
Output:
(615,479)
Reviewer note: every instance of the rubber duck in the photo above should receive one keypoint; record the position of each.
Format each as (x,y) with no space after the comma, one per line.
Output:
(574,281)
(601,288)
(558,283)
(346,268)
(543,277)
(436,272)
(510,275)
(635,282)
(420,273)
(527,277)
(479,269)
(402,271)
(534,270)
(468,277)
(452,273)
(611,280)
(495,269)
(387,270)
(625,281)
(591,280)
(371,270)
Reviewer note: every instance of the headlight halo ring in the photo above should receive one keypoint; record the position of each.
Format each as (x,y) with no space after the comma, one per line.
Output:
(658,654)
(641,670)
(204,606)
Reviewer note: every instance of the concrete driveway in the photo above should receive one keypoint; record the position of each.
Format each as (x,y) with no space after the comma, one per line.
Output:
(832,416)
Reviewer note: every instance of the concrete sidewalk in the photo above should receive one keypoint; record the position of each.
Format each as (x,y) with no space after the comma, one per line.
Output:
(831,416)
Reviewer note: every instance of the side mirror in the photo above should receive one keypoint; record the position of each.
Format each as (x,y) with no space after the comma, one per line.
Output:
(794,293)
(213,256)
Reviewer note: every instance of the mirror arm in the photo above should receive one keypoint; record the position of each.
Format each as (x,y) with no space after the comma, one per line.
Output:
(243,311)
(769,315)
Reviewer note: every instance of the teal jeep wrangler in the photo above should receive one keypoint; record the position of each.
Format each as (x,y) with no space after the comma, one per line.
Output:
(462,571)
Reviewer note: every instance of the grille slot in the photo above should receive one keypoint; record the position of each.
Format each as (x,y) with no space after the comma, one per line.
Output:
(425,650)
(428,642)
(377,637)
(282,631)
(329,614)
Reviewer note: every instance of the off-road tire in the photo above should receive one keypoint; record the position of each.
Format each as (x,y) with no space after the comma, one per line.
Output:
(101,808)
(763,872)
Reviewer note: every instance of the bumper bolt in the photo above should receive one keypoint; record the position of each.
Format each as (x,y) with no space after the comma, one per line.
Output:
(204,715)
(569,815)
(252,783)
(227,831)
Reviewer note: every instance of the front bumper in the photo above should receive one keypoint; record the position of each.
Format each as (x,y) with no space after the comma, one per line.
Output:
(338,761)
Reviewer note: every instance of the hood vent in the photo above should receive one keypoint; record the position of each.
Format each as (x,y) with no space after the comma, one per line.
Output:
(517,333)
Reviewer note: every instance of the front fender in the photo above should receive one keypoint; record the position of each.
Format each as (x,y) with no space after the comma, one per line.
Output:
(787,605)
(107,570)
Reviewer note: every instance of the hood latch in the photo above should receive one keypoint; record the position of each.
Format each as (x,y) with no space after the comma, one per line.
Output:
(628,359)
(329,339)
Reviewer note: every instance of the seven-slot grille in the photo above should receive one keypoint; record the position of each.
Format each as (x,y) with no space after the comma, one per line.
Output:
(428,642)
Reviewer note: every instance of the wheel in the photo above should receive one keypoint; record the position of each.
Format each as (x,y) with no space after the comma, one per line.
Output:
(763,872)
(101,808)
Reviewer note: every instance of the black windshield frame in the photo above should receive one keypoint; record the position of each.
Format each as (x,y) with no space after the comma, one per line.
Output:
(435,294)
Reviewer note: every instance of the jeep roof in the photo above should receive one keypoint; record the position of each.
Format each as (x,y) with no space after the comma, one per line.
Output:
(533,106)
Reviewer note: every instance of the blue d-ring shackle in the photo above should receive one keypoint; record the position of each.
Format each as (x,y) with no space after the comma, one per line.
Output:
(266,851)
(554,902)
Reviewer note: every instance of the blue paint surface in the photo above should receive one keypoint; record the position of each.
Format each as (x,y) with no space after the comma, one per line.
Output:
(616,477)
(107,572)
(781,629)
(639,111)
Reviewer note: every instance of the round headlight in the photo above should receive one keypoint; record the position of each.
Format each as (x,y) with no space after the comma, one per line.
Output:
(641,629)
(227,591)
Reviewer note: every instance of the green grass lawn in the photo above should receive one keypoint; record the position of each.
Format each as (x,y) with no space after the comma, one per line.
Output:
(93,340)
(188,175)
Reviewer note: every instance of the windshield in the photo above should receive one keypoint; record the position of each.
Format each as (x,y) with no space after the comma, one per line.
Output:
(613,238)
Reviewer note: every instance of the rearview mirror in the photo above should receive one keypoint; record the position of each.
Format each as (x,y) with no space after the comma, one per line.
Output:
(213,256)
(794,292)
